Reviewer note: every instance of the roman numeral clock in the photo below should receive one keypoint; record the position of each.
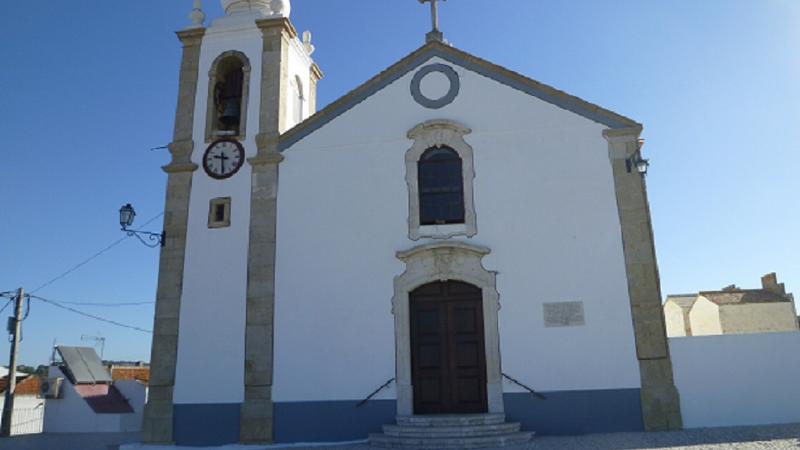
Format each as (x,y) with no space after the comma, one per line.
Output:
(223,158)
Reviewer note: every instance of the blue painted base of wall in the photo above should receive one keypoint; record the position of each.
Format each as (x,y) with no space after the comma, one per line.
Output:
(331,421)
(206,425)
(563,413)
(577,412)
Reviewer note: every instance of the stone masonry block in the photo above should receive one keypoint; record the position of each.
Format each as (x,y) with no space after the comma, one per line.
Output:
(256,430)
(648,326)
(162,361)
(262,287)
(656,372)
(160,408)
(259,336)
(661,409)
(168,307)
(252,393)
(254,377)
(257,409)
(259,311)
(156,431)
(166,326)
(160,396)
(642,284)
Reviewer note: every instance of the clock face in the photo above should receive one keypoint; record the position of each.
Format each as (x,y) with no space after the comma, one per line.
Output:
(223,158)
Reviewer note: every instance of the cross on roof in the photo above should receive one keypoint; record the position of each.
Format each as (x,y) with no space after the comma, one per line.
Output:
(435,34)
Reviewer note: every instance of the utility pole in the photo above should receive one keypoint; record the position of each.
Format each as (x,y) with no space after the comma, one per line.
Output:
(15,326)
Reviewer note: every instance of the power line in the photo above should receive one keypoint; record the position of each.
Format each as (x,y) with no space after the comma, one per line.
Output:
(86,261)
(6,305)
(110,305)
(92,316)
(81,264)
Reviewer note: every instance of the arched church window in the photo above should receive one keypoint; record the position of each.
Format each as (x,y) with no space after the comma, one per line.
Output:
(297,99)
(439,177)
(227,102)
(441,187)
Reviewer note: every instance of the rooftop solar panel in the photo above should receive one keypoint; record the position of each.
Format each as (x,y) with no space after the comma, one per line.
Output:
(84,365)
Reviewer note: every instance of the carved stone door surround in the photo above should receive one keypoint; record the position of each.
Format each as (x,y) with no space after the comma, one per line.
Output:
(443,261)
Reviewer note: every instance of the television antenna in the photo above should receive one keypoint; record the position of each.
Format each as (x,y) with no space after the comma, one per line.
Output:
(97,340)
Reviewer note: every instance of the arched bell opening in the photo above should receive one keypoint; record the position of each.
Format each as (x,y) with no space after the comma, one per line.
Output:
(228,94)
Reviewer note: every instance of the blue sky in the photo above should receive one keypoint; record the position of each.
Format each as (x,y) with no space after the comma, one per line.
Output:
(90,86)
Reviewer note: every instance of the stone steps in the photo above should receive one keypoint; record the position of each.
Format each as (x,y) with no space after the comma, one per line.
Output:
(451,431)
(451,420)
(478,442)
(472,431)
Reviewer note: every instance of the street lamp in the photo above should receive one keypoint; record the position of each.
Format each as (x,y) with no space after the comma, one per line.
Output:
(640,164)
(126,216)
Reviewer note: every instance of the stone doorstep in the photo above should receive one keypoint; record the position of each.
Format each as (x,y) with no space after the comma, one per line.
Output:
(478,442)
(451,420)
(443,432)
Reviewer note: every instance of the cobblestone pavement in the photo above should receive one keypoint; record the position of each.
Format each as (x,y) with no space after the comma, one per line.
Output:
(773,437)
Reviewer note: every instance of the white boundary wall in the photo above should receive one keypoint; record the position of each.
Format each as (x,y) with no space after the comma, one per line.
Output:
(745,379)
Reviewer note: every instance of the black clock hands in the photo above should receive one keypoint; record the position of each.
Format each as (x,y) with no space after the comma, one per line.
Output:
(221,157)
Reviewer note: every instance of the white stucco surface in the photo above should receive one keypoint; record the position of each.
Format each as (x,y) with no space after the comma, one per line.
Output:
(745,379)
(673,318)
(545,205)
(212,314)
(71,414)
(704,318)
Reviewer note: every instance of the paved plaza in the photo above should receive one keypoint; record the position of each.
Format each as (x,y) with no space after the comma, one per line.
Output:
(774,437)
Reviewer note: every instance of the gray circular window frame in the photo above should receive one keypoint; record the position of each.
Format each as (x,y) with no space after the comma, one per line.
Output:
(452,93)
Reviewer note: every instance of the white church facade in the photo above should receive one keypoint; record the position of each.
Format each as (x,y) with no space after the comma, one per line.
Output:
(450,234)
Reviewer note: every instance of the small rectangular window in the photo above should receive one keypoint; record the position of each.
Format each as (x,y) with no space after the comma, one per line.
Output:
(219,212)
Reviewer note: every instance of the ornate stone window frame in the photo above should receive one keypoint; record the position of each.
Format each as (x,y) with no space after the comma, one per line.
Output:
(443,261)
(213,206)
(439,133)
(212,81)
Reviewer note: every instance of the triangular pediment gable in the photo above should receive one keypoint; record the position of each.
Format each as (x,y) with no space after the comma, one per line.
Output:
(435,49)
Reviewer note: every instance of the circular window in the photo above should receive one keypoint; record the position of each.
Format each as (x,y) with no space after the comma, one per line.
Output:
(428,84)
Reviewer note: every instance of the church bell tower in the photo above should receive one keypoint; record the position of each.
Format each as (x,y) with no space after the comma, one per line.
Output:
(244,80)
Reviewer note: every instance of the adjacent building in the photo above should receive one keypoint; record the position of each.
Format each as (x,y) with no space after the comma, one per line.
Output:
(84,397)
(732,311)
(28,405)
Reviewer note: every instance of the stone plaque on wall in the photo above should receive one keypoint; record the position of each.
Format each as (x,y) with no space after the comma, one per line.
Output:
(563,314)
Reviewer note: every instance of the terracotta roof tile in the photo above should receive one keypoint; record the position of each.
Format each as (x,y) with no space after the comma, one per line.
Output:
(26,386)
(131,373)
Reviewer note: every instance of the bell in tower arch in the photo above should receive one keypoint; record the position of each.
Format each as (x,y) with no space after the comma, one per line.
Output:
(228,100)
(231,113)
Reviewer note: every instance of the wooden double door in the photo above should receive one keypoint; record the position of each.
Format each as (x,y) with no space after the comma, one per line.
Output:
(448,357)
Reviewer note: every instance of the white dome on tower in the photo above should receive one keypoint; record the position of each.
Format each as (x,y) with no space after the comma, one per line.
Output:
(265,7)
(281,7)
